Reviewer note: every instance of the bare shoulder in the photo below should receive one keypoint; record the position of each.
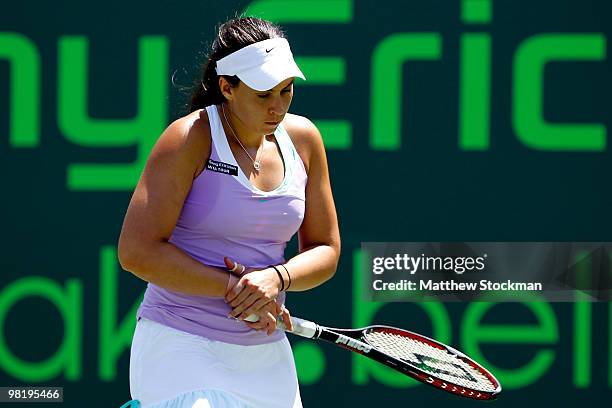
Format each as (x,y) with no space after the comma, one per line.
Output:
(305,137)
(186,139)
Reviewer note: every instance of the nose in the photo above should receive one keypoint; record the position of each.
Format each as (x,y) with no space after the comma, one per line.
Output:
(277,107)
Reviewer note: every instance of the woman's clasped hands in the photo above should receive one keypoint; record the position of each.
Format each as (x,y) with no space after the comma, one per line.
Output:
(253,293)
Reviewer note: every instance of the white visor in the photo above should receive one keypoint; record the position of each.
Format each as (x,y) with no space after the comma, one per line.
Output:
(261,65)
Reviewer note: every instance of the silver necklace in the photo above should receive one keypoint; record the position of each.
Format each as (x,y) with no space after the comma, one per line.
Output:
(256,163)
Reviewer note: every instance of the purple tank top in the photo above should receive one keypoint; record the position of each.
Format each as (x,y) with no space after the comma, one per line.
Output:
(225,215)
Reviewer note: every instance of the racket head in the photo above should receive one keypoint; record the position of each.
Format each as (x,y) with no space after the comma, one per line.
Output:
(432,362)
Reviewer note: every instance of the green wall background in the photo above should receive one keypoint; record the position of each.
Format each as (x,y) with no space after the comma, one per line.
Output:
(444,120)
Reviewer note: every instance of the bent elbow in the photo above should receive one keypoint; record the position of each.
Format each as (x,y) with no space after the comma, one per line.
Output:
(337,251)
(127,254)
(336,259)
(125,258)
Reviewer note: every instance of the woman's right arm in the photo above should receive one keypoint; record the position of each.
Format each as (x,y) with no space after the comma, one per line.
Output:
(155,207)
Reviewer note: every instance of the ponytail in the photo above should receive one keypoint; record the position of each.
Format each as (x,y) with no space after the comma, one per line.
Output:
(207,92)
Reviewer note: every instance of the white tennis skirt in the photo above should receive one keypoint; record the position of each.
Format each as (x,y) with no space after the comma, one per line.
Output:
(171,368)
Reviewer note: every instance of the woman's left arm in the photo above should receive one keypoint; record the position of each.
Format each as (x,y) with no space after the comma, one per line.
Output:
(319,237)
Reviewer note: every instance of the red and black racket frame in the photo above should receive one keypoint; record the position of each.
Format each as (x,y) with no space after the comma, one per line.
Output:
(340,337)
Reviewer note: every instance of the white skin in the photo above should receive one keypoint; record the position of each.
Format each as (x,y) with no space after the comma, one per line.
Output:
(176,160)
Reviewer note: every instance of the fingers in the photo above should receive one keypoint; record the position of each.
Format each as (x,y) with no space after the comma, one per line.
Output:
(266,322)
(236,270)
(286,316)
(256,307)
(236,294)
(231,282)
(267,316)
(249,297)
(269,322)
(249,290)
(242,309)
(229,263)
(234,266)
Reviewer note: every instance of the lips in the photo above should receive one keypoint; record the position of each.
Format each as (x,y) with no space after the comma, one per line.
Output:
(272,123)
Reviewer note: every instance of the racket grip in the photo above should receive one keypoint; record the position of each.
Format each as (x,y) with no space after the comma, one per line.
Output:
(301,327)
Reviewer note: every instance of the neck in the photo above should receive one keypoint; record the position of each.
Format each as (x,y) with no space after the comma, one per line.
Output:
(248,138)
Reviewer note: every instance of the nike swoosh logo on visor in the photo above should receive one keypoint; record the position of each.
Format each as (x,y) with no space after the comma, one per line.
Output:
(268,50)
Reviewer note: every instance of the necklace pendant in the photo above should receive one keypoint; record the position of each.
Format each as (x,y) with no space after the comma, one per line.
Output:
(256,165)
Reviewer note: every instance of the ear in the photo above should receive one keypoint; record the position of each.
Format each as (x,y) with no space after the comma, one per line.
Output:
(227,90)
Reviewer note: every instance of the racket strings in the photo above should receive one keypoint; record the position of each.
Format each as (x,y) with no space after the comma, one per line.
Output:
(438,362)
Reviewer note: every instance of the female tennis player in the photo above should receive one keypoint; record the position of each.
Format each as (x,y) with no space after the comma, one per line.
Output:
(224,189)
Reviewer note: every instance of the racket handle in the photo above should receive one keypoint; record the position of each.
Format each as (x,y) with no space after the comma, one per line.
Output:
(301,327)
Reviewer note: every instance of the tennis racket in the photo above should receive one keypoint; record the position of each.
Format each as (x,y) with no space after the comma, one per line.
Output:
(416,356)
